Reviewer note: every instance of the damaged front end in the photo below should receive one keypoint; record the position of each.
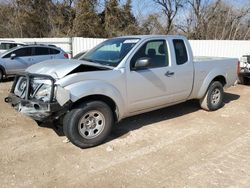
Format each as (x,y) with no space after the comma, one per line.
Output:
(34,96)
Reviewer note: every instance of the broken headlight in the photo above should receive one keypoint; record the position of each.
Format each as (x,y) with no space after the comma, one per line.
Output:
(20,88)
(34,87)
(40,89)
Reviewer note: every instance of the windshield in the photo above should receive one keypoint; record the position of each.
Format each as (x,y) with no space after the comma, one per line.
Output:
(110,52)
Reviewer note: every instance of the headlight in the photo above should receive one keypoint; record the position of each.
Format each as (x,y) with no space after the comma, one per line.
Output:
(41,89)
(20,88)
(43,93)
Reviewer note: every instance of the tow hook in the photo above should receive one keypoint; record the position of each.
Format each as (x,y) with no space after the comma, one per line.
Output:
(7,100)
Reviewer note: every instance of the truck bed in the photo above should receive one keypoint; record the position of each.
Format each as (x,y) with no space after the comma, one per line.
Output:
(213,65)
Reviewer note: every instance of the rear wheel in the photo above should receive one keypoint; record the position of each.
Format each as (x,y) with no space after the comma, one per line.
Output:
(213,99)
(88,124)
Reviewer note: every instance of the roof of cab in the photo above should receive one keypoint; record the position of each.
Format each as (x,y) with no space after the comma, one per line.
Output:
(153,36)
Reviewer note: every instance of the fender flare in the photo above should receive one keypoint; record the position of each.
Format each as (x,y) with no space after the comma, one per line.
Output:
(207,81)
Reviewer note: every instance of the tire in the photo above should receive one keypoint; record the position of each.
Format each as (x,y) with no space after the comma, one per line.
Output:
(88,124)
(213,99)
(1,75)
(39,123)
(242,80)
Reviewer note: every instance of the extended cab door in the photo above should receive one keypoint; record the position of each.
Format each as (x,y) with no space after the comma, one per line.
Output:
(180,84)
(163,82)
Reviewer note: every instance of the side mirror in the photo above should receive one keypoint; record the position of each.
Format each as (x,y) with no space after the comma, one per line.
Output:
(142,63)
(12,56)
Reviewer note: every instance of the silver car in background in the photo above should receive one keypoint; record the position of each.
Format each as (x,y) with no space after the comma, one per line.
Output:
(16,60)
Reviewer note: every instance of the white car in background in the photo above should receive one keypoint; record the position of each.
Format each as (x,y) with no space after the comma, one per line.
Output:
(244,69)
(16,60)
(8,44)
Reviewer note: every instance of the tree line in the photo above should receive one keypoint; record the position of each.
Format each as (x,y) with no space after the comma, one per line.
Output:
(196,19)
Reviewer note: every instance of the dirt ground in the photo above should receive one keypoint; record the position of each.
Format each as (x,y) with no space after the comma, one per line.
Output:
(179,146)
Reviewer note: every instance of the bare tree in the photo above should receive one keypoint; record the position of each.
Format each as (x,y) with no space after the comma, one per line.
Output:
(170,9)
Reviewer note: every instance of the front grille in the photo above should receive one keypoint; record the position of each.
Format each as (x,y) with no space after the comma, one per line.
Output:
(28,86)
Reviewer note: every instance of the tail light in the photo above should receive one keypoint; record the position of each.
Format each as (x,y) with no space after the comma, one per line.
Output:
(238,67)
(66,56)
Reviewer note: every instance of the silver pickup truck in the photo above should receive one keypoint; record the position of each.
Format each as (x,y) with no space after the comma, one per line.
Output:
(120,77)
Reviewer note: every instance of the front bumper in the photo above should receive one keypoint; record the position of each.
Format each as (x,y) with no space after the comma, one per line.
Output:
(36,109)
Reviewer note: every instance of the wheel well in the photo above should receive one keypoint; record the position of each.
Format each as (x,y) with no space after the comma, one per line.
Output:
(220,79)
(102,98)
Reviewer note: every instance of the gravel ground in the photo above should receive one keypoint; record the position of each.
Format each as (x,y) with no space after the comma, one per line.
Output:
(179,146)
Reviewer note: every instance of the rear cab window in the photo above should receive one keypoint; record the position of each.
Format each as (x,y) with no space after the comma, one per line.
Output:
(180,51)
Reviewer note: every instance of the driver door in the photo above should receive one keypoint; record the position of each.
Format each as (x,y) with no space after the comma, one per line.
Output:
(147,88)
(18,60)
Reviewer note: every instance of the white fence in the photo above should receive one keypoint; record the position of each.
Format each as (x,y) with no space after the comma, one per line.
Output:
(215,48)
(220,48)
(80,44)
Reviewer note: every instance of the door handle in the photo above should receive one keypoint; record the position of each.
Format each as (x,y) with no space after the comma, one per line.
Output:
(169,74)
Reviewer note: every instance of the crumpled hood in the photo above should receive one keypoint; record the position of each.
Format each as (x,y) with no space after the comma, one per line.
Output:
(58,68)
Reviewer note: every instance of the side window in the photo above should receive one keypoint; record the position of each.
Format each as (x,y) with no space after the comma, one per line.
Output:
(180,52)
(12,45)
(7,55)
(156,50)
(6,46)
(54,51)
(3,46)
(22,52)
(41,51)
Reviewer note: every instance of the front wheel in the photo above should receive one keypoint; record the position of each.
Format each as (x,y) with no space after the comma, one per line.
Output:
(213,100)
(88,124)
